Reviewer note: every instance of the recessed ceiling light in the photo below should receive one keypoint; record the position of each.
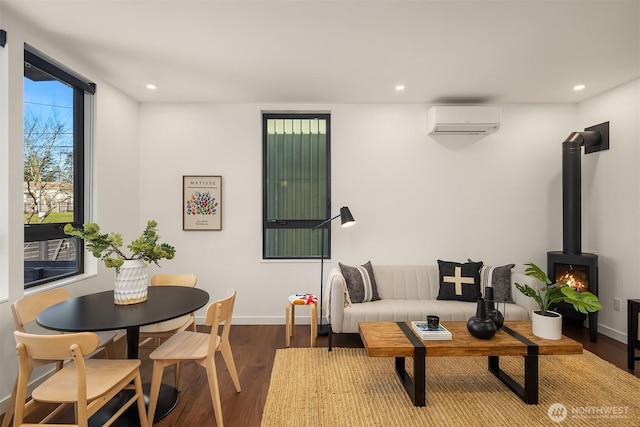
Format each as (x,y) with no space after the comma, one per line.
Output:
(400,87)
(579,87)
(151,87)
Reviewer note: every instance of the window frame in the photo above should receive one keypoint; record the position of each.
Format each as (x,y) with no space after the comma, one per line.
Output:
(83,90)
(275,224)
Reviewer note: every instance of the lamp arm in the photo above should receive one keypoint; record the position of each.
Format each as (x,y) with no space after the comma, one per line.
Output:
(325,222)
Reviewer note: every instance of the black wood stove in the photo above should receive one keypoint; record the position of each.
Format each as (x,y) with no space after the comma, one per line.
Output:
(577,268)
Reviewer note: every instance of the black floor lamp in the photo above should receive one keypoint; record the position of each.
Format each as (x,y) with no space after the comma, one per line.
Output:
(347,221)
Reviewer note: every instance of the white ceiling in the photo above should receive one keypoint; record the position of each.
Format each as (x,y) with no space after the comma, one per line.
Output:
(324,51)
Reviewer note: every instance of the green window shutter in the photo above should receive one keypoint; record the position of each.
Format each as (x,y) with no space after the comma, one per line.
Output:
(296,185)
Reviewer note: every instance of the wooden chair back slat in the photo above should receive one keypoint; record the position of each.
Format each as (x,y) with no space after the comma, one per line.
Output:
(225,311)
(56,347)
(26,309)
(187,280)
(220,313)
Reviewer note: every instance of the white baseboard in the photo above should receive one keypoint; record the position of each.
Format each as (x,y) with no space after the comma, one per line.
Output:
(613,333)
(264,320)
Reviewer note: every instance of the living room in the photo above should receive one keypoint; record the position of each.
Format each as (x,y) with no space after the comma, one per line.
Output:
(416,198)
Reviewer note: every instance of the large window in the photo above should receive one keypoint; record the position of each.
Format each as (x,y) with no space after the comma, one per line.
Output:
(57,106)
(296,185)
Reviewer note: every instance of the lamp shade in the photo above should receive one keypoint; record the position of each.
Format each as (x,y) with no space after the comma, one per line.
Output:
(346,218)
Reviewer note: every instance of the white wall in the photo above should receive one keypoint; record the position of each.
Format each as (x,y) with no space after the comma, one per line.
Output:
(415,198)
(611,202)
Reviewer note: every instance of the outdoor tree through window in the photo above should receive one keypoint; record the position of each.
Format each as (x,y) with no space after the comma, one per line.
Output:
(48,152)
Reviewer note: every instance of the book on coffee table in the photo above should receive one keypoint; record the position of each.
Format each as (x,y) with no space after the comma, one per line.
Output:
(423,331)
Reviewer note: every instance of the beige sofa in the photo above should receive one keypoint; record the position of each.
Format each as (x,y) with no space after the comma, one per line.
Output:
(409,292)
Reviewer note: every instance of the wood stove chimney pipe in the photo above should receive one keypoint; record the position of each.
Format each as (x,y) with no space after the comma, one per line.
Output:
(572,189)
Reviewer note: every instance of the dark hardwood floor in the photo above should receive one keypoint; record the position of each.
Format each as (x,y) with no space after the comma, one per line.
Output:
(254,348)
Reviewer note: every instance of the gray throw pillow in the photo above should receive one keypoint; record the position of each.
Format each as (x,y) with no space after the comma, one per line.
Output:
(361,283)
(499,278)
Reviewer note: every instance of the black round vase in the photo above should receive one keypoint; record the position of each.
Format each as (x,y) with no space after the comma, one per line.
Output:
(492,312)
(480,326)
(496,316)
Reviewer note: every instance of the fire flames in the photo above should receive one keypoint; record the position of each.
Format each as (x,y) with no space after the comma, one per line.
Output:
(575,279)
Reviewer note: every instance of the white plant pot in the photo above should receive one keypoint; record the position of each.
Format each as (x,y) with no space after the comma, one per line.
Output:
(131,282)
(547,327)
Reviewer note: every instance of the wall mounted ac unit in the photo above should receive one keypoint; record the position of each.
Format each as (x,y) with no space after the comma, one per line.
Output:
(463,120)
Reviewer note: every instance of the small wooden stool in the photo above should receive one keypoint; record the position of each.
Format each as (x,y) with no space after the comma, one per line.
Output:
(301,299)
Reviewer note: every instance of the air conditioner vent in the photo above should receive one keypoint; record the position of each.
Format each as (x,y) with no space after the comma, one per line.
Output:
(463,120)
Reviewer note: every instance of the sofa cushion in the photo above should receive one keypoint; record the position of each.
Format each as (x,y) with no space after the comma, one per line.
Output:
(499,278)
(361,283)
(398,310)
(407,281)
(459,282)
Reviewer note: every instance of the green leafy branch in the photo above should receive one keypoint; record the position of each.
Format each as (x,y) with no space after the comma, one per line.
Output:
(106,247)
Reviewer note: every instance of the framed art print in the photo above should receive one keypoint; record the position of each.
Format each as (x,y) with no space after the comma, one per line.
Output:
(202,202)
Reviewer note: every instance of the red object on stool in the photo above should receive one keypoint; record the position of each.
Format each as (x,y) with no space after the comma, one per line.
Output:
(301,299)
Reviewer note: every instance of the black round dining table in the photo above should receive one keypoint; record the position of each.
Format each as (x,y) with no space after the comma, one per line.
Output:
(98,312)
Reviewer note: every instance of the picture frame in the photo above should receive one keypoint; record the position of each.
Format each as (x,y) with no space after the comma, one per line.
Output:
(202,202)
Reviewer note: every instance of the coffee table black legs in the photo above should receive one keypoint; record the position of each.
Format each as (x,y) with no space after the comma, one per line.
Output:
(529,392)
(416,387)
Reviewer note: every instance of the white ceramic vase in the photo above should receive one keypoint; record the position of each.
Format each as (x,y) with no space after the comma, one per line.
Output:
(547,327)
(131,282)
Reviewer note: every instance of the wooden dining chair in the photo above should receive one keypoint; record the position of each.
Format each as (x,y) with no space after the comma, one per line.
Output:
(24,312)
(161,330)
(87,384)
(200,348)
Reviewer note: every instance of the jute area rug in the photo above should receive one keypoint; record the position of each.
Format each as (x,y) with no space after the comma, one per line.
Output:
(314,387)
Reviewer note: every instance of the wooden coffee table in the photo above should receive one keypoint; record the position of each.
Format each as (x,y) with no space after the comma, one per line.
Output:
(396,339)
